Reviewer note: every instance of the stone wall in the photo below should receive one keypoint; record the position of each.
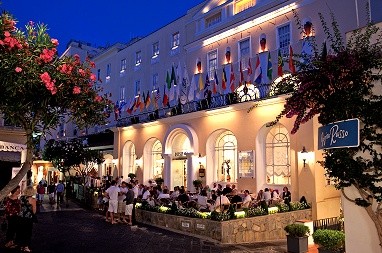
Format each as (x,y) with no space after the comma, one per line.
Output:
(255,229)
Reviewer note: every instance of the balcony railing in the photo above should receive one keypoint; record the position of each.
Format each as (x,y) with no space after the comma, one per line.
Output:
(208,103)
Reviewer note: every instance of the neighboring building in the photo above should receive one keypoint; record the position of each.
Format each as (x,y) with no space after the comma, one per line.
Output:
(213,131)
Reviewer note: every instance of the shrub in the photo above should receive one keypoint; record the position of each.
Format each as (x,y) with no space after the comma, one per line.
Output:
(282,207)
(329,239)
(255,211)
(297,230)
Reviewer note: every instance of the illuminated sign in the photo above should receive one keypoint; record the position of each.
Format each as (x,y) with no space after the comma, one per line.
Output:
(339,134)
(12,147)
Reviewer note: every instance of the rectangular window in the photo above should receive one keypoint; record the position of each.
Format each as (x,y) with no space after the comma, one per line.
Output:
(212,59)
(242,5)
(123,65)
(98,75)
(122,93)
(138,58)
(137,87)
(155,49)
(155,81)
(244,51)
(283,34)
(175,40)
(213,20)
(108,70)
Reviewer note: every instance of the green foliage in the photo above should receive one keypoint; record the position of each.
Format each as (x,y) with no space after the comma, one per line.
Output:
(255,211)
(65,155)
(159,181)
(329,239)
(197,183)
(341,84)
(220,216)
(282,207)
(131,176)
(295,205)
(297,230)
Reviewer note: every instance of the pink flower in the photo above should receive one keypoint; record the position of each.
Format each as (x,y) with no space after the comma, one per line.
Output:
(82,72)
(7,34)
(98,98)
(18,69)
(45,77)
(76,90)
(92,77)
(47,54)
(54,41)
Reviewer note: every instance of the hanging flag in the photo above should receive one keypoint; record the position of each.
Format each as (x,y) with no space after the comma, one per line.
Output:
(191,90)
(184,85)
(173,83)
(216,84)
(201,85)
(258,72)
(280,64)
(241,74)
(131,107)
(224,80)
(232,80)
(249,70)
(207,83)
(292,68)
(116,111)
(165,98)
(142,104)
(155,98)
(148,99)
(269,67)
(168,81)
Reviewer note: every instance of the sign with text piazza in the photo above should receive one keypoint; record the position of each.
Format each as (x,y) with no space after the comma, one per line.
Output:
(339,134)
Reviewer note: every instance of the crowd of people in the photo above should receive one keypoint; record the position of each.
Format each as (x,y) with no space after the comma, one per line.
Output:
(117,198)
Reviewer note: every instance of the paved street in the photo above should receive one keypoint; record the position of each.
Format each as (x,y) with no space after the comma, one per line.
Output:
(72,229)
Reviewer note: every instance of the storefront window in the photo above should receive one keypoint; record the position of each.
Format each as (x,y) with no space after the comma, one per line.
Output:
(278,156)
(226,157)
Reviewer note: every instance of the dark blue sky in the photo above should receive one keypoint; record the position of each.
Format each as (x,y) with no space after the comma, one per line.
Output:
(100,22)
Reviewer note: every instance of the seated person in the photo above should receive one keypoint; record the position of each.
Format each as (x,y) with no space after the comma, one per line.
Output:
(183,197)
(267,196)
(164,194)
(202,201)
(146,194)
(235,198)
(275,196)
(213,195)
(247,199)
(227,189)
(175,193)
(220,202)
(260,196)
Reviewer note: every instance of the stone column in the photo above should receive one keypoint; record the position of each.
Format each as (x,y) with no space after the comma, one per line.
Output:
(167,175)
(191,170)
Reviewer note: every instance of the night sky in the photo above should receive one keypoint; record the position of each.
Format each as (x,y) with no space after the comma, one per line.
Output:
(99,22)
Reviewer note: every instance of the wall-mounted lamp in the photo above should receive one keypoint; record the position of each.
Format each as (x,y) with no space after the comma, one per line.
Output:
(304,155)
(202,170)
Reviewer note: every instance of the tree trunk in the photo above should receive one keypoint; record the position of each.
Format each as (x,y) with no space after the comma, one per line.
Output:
(20,175)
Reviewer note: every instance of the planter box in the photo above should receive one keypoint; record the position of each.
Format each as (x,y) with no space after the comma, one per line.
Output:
(255,229)
(297,244)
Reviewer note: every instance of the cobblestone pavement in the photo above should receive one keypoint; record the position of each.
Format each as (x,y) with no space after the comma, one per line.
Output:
(72,229)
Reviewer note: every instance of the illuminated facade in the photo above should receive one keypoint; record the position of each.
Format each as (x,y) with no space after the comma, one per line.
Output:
(204,130)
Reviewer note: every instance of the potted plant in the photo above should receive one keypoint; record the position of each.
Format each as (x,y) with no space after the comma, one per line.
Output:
(297,238)
(329,241)
(159,181)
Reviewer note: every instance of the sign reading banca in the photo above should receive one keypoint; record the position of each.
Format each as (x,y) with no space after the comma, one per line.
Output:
(339,134)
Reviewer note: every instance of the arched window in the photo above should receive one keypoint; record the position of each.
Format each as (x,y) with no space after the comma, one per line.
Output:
(158,161)
(226,157)
(129,158)
(278,156)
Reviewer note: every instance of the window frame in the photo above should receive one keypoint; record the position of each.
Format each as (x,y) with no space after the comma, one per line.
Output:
(138,58)
(123,65)
(214,66)
(175,41)
(244,59)
(155,49)
(285,48)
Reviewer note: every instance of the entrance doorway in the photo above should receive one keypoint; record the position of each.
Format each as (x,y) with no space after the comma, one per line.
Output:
(179,172)
(6,172)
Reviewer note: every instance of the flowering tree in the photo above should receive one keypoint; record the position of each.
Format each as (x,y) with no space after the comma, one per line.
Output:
(344,84)
(37,87)
(71,155)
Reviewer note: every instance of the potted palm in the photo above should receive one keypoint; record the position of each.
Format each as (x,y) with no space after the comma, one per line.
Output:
(297,238)
(329,241)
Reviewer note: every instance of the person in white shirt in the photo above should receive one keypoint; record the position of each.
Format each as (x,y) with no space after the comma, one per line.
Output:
(121,203)
(267,196)
(220,202)
(146,193)
(112,192)
(247,199)
(202,201)
(175,193)
(164,194)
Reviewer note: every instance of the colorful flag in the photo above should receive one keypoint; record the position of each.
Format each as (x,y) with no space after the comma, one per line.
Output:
(216,84)
(137,102)
(156,97)
(142,104)
(232,80)
(168,81)
(131,107)
(173,83)
(224,80)
(148,99)
(249,70)
(269,67)
(292,68)
(241,74)
(185,83)
(201,85)
(280,64)
(207,83)
(191,90)
(165,98)
(258,72)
